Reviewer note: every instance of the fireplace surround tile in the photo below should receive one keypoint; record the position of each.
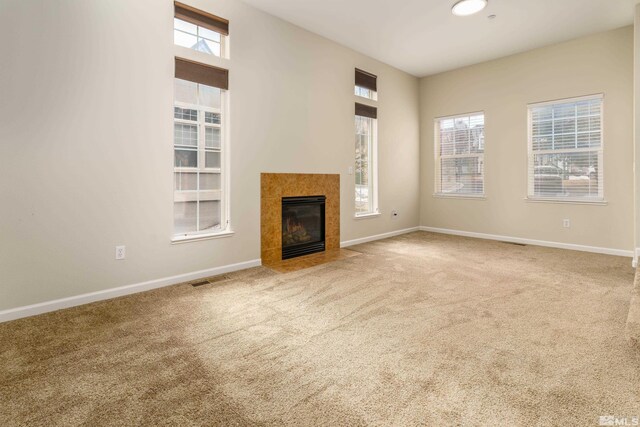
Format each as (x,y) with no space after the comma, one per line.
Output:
(275,186)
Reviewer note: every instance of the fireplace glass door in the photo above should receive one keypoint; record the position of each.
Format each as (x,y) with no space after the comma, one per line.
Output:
(302,225)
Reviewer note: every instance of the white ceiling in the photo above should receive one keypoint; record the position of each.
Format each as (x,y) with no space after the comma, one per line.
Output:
(422,37)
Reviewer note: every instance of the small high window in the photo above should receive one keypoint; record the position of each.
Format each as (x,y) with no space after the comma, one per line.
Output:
(198,30)
(366,85)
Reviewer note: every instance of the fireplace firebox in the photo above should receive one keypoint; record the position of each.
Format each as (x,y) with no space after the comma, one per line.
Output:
(302,225)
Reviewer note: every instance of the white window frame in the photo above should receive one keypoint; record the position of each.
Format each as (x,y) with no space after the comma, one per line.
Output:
(530,154)
(224,150)
(360,91)
(438,157)
(373,171)
(224,44)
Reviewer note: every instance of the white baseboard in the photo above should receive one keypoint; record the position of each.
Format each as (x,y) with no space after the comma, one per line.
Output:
(559,245)
(377,237)
(48,306)
(59,304)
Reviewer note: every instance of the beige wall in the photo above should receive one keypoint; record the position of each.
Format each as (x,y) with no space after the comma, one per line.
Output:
(86,131)
(601,63)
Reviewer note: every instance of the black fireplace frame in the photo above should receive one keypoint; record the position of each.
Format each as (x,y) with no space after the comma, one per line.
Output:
(293,251)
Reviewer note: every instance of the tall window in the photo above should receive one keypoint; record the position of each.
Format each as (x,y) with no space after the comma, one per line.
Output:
(366,85)
(366,163)
(565,150)
(200,151)
(459,153)
(198,30)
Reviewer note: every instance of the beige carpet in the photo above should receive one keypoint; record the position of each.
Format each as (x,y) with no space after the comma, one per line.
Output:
(633,319)
(421,329)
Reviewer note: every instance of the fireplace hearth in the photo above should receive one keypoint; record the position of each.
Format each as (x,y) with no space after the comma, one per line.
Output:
(303,225)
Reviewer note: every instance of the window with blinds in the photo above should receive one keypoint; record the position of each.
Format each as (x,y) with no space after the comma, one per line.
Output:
(366,85)
(459,150)
(199,30)
(565,150)
(200,149)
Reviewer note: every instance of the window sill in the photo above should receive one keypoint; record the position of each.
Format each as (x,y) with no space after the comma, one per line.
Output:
(459,196)
(567,201)
(365,216)
(195,238)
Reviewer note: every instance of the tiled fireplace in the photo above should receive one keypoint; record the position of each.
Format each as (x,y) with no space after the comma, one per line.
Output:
(300,214)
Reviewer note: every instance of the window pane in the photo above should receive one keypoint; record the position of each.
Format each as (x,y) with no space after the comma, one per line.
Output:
(209,215)
(212,137)
(210,181)
(185,134)
(362,199)
(187,27)
(541,113)
(185,181)
(209,96)
(564,126)
(462,135)
(212,117)
(566,174)
(185,40)
(191,36)
(209,34)
(186,158)
(185,113)
(185,91)
(564,141)
(447,143)
(184,217)
(542,128)
(212,159)
(208,46)
(462,175)
(366,93)
(476,124)
(542,142)
(564,110)
(574,125)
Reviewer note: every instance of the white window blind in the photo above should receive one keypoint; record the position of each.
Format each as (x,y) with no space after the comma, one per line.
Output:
(459,153)
(565,150)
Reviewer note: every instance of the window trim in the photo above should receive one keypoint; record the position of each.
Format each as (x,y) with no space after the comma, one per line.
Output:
(202,19)
(437,191)
(373,162)
(226,229)
(600,200)
(367,81)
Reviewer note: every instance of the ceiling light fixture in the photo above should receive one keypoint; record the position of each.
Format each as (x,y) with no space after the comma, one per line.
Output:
(468,7)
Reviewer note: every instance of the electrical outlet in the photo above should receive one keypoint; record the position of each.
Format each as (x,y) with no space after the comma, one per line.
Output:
(566,223)
(394,214)
(120,252)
